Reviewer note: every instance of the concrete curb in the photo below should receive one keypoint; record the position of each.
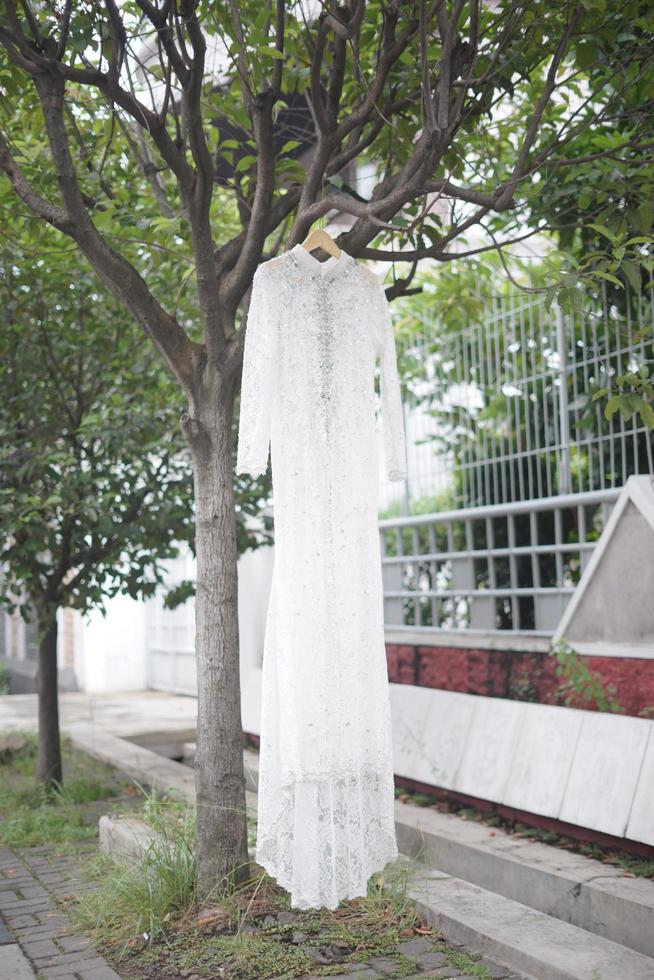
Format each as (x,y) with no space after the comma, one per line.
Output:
(127,838)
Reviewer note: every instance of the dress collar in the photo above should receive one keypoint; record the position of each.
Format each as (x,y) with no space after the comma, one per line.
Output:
(329,267)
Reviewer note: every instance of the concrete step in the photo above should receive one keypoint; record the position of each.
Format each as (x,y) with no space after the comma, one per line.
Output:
(568,886)
(517,936)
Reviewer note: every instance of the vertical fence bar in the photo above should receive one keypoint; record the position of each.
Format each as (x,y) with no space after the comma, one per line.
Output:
(565,483)
(558,541)
(433,568)
(513,573)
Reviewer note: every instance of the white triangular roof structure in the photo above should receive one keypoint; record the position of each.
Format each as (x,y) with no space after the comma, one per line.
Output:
(612,610)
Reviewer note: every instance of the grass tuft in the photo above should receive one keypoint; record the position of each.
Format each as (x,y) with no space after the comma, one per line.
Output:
(141,898)
(32,814)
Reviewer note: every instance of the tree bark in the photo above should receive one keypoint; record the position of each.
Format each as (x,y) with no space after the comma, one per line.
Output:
(49,769)
(222,854)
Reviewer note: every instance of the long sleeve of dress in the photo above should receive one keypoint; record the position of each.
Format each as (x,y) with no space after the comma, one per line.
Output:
(257,381)
(392,417)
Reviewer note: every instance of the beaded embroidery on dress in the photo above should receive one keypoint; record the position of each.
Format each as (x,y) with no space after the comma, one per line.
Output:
(315,332)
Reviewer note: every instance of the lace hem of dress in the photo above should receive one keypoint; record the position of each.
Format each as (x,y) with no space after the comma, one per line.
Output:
(322,839)
(380,861)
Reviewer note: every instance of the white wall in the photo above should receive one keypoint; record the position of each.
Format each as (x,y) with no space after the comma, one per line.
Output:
(112,652)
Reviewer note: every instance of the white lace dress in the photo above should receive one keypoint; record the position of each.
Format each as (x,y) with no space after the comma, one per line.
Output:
(315,332)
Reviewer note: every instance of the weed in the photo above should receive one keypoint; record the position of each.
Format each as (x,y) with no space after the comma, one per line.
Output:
(252,957)
(140,898)
(580,686)
(462,962)
(34,814)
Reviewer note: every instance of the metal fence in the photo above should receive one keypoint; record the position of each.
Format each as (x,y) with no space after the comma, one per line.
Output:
(501,411)
(514,465)
(502,567)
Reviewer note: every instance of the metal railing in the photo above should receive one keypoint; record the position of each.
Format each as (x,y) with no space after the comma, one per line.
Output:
(501,567)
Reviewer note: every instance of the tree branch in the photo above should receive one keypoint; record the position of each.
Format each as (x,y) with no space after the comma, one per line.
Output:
(180,353)
(534,122)
(55,216)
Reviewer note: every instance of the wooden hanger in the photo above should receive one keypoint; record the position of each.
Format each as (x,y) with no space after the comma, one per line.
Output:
(319,238)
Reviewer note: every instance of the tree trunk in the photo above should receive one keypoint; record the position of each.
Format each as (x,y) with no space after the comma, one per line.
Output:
(49,754)
(222,854)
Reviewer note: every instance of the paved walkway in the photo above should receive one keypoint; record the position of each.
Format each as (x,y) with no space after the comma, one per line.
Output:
(36,936)
(120,714)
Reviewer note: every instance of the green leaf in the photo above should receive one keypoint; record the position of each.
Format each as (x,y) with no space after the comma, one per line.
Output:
(646,216)
(609,276)
(586,54)
(633,275)
(629,405)
(611,407)
(603,230)
(647,414)
(245,163)
(271,52)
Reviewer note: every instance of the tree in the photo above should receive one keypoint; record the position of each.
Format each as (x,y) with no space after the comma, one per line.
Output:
(95,482)
(452,102)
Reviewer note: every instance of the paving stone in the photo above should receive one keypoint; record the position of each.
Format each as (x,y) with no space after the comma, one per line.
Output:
(443,971)
(368,973)
(383,964)
(6,937)
(14,965)
(79,969)
(365,972)
(411,947)
(72,944)
(51,916)
(21,920)
(63,959)
(429,961)
(24,905)
(40,948)
(34,891)
(37,932)
(494,969)
(353,968)
(103,972)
